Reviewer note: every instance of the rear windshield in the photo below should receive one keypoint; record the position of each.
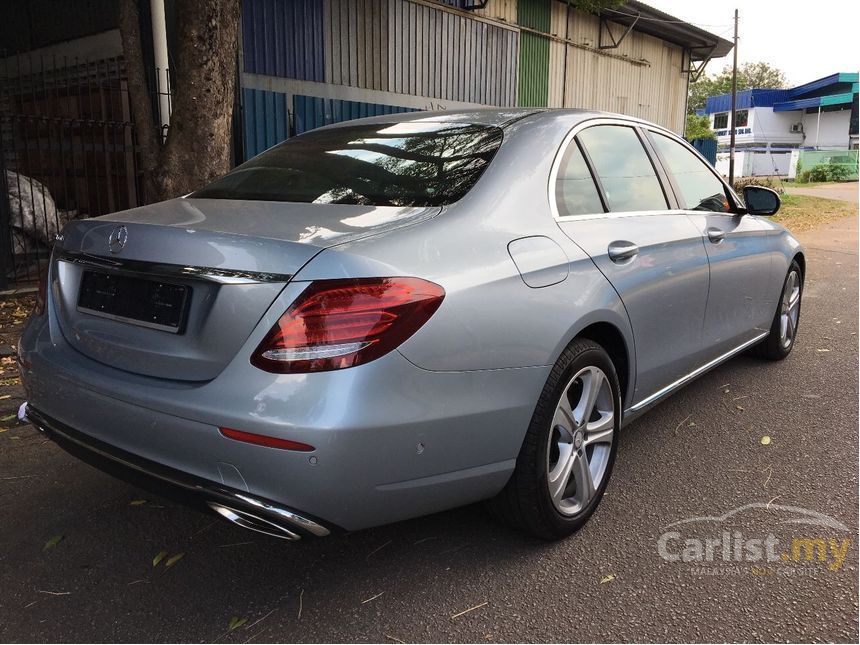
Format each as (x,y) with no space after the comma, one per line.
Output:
(393,164)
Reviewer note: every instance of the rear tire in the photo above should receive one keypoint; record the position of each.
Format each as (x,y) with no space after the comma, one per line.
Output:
(783,329)
(567,456)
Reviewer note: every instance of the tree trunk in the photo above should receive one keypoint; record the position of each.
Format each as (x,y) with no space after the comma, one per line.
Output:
(197,148)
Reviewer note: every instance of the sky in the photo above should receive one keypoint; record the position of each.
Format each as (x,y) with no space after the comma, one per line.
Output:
(806,40)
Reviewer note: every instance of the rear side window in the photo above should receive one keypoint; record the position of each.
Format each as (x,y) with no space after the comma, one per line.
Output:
(700,188)
(575,191)
(416,163)
(629,180)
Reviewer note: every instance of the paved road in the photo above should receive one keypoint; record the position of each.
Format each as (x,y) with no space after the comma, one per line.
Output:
(698,454)
(845,191)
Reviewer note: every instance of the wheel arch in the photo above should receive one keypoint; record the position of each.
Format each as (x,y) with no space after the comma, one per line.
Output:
(610,337)
(800,258)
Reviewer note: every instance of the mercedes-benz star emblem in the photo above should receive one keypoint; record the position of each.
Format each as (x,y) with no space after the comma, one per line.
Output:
(118,238)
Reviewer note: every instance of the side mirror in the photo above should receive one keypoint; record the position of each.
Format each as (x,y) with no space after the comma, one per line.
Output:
(760,200)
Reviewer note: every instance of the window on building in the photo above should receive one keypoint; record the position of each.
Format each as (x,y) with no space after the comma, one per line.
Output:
(742,118)
(721,120)
(700,188)
(384,164)
(575,190)
(625,171)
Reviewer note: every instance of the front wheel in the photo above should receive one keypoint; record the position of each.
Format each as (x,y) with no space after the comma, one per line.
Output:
(783,329)
(568,452)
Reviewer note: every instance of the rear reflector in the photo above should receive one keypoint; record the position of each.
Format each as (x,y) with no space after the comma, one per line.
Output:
(342,323)
(263,440)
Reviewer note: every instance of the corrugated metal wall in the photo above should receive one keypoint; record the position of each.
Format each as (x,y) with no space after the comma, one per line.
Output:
(534,52)
(418,49)
(267,120)
(313,112)
(422,54)
(283,38)
(641,78)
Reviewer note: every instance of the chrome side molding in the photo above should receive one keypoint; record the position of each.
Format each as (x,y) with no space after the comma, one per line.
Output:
(209,274)
(634,410)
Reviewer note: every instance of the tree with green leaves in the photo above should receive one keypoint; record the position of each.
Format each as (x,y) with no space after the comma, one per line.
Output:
(750,76)
(595,6)
(698,127)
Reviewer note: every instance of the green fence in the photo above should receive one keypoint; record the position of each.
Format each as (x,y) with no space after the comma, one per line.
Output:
(821,163)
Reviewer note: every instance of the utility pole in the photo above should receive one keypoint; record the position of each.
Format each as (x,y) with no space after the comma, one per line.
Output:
(734,105)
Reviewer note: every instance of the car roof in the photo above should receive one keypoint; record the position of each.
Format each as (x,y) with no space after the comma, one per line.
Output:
(500,117)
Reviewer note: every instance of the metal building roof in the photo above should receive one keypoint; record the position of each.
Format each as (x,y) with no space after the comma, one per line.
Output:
(648,20)
(836,89)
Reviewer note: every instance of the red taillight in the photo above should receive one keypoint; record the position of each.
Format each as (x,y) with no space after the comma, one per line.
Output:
(342,323)
(263,440)
(41,294)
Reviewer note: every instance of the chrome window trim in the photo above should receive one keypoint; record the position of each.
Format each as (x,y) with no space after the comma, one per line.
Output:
(175,271)
(630,123)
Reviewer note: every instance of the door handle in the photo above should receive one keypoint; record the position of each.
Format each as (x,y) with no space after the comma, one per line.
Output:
(715,235)
(622,250)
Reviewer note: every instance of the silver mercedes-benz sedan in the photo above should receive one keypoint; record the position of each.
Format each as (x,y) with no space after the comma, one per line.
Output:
(394,316)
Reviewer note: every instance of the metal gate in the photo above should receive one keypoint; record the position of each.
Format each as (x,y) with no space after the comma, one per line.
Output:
(68,152)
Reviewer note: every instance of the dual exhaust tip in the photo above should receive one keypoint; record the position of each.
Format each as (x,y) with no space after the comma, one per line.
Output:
(253,522)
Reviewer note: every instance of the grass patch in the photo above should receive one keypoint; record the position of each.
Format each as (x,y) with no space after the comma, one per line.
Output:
(802,212)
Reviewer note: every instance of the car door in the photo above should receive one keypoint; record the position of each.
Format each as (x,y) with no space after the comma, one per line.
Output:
(739,309)
(612,203)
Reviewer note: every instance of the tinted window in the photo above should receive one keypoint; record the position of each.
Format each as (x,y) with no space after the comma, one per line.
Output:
(721,120)
(575,191)
(626,174)
(701,190)
(395,164)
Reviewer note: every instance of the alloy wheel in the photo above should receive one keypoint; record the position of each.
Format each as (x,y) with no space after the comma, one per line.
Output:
(789,310)
(580,440)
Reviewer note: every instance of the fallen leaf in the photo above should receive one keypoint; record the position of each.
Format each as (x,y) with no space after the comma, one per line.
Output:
(158,558)
(236,622)
(54,541)
(765,440)
(173,559)
(607,578)
(740,407)
(5,396)
(9,417)
(137,502)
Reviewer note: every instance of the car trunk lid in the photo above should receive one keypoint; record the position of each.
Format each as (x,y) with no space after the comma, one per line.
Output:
(173,290)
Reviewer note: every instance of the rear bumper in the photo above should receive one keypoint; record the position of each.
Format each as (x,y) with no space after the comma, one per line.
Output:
(391,441)
(180,486)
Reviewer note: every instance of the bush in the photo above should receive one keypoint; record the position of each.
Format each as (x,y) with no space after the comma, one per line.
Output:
(827,172)
(774,183)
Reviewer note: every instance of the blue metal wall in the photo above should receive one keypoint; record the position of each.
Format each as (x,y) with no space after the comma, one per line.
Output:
(284,38)
(311,112)
(267,121)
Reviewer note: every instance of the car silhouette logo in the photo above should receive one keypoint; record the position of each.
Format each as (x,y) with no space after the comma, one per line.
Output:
(118,238)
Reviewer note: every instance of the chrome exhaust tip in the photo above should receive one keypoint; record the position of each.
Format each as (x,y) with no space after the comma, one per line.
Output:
(253,522)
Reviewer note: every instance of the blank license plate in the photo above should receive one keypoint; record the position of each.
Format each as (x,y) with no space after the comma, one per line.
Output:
(158,305)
